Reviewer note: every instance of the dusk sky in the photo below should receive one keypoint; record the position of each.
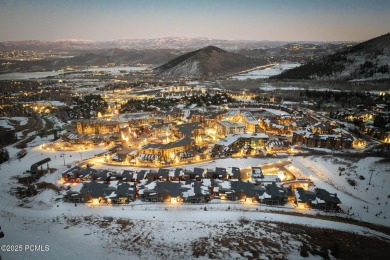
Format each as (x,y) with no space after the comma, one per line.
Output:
(293,20)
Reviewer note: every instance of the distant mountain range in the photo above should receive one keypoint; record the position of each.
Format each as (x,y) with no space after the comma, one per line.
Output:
(142,44)
(369,60)
(210,61)
(138,44)
(32,55)
(100,57)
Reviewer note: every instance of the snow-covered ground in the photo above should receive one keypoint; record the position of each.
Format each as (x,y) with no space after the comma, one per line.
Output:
(6,122)
(277,112)
(44,74)
(57,123)
(115,70)
(269,87)
(54,103)
(105,232)
(267,72)
(364,202)
(169,230)
(28,75)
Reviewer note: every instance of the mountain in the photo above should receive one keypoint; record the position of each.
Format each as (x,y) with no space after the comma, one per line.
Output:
(299,52)
(34,55)
(59,45)
(369,60)
(138,44)
(100,57)
(121,56)
(193,43)
(209,61)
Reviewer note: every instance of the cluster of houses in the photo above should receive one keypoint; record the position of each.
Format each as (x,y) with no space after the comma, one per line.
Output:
(324,135)
(365,117)
(87,185)
(317,199)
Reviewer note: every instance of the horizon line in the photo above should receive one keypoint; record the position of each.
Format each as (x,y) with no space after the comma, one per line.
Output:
(184,37)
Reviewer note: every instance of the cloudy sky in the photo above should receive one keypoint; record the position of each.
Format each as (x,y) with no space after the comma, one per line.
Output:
(286,20)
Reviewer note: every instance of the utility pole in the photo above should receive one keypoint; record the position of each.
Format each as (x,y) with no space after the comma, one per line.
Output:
(371,170)
(63,157)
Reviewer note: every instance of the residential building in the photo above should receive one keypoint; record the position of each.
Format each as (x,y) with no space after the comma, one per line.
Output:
(92,127)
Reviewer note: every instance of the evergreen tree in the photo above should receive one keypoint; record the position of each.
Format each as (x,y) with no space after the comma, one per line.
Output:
(4,155)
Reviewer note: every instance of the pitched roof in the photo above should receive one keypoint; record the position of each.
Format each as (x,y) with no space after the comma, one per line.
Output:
(194,189)
(125,190)
(232,138)
(187,129)
(172,188)
(96,189)
(236,172)
(179,172)
(248,188)
(275,191)
(141,174)
(231,124)
(163,172)
(221,171)
(126,175)
(304,195)
(326,196)
(199,171)
(181,142)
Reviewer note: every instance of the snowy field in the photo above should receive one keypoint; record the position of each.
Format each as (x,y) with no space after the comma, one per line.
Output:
(166,231)
(267,72)
(115,70)
(53,103)
(364,202)
(44,74)
(28,75)
(269,87)
(6,122)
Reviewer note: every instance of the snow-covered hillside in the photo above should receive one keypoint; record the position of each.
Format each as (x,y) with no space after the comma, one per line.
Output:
(208,61)
(188,68)
(369,60)
(363,65)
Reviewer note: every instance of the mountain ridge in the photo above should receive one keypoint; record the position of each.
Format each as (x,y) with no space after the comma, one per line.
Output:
(156,43)
(208,61)
(369,60)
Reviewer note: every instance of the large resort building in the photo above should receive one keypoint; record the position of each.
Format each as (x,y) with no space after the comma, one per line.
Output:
(91,127)
(166,152)
(323,136)
(225,128)
(233,143)
(187,135)
(243,118)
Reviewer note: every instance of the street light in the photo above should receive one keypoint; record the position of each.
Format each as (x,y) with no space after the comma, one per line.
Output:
(371,170)
(63,156)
